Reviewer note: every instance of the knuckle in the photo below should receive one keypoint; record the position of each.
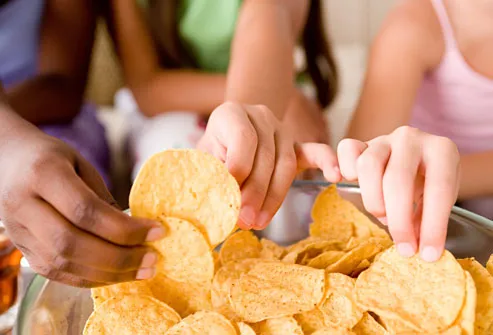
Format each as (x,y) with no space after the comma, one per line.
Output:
(63,243)
(446,146)
(10,201)
(289,164)
(368,161)
(83,215)
(404,133)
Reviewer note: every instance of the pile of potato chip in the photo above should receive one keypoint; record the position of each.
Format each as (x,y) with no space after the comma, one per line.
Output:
(346,278)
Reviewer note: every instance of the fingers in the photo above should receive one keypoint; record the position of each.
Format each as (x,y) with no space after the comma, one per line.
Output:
(282,177)
(254,190)
(92,179)
(348,152)
(75,248)
(70,196)
(318,156)
(371,166)
(441,165)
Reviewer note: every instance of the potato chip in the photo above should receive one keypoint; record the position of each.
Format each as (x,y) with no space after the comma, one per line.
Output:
(131,315)
(185,254)
(271,250)
(311,321)
(302,243)
(103,293)
(484,287)
(325,259)
(221,285)
(286,325)
(365,264)
(275,289)
(202,323)
(185,298)
(352,259)
(333,331)
(467,316)
(423,296)
(240,245)
(244,329)
(339,305)
(309,251)
(217,261)
(489,265)
(369,326)
(190,185)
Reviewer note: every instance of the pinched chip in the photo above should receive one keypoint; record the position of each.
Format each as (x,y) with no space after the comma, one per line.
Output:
(325,259)
(240,245)
(426,297)
(221,285)
(191,185)
(352,259)
(244,329)
(489,265)
(286,325)
(484,287)
(271,250)
(185,254)
(339,305)
(275,289)
(311,321)
(185,298)
(103,293)
(333,331)
(131,314)
(201,323)
(369,326)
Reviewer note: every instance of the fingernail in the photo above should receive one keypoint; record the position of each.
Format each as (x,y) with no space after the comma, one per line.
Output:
(248,216)
(149,260)
(155,234)
(430,254)
(406,250)
(143,274)
(263,220)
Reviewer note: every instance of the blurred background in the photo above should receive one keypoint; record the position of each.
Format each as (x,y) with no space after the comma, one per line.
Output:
(351,26)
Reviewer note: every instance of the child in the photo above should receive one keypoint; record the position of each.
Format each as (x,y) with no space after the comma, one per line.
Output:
(431,67)
(45,49)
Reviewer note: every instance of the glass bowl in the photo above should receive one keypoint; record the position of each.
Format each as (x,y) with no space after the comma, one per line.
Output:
(51,308)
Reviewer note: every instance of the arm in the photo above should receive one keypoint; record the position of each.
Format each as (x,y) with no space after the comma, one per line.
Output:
(55,94)
(158,90)
(261,70)
(396,68)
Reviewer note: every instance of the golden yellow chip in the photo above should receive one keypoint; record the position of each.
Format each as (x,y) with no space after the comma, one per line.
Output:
(302,244)
(325,259)
(190,185)
(310,251)
(185,298)
(271,250)
(311,321)
(131,314)
(244,329)
(369,326)
(240,245)
(202,323)
(352,259)
(101,294)
(217,261)
(339,305)
(276,289)
(489,265)
(286,325)
(467,316)
(333,331)
(484,288)
(426,297)
(365,264)
(221,285)
(185,254)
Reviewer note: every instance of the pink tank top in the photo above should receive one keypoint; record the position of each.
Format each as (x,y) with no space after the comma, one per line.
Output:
(455,101)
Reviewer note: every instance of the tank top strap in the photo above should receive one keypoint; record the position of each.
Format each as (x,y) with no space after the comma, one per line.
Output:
(443,18)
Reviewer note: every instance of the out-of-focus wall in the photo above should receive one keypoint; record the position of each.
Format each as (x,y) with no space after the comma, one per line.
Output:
(351,24)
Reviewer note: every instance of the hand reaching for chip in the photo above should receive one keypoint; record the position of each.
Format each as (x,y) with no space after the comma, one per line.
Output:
(409,180)
(263,158)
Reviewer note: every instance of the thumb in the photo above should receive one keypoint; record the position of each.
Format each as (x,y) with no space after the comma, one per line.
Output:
(318,156)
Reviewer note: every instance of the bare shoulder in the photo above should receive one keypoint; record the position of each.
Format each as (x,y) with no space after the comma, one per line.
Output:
(413,26)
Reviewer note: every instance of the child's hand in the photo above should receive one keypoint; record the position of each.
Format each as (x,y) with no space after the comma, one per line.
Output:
(409,179)
(59,213)
(263,158)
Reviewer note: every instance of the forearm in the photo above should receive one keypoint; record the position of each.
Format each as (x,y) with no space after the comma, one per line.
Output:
(476,175)
(261,68)
(172,90)
(46,99)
